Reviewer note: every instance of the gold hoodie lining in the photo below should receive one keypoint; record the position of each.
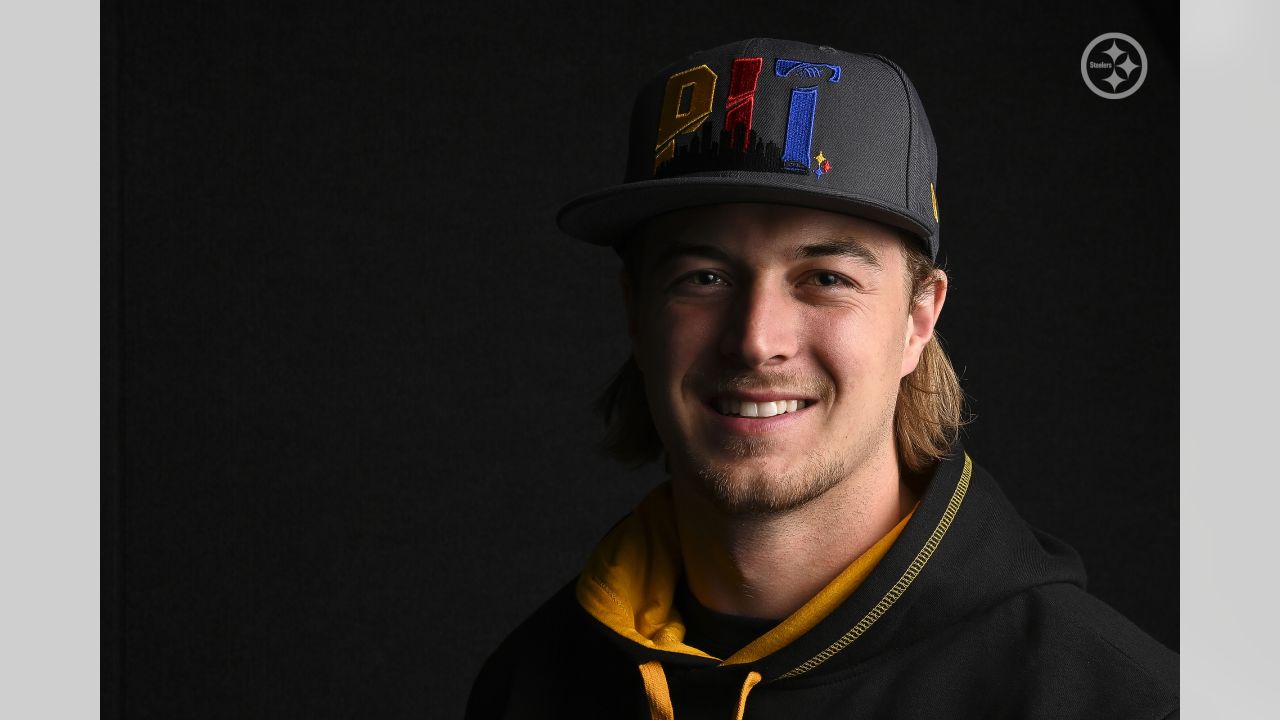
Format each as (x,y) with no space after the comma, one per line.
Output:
(629,584)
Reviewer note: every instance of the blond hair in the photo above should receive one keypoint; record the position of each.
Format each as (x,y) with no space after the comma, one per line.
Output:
(930,408)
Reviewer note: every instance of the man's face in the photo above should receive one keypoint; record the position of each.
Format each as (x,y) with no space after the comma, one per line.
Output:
(772,340)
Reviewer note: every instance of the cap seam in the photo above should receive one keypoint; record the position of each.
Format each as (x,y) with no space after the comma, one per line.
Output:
(911,126)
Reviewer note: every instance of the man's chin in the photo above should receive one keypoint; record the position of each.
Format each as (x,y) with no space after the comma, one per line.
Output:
(751,482)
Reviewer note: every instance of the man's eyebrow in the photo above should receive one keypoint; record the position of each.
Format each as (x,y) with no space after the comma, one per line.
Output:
(676,249)
(846,247)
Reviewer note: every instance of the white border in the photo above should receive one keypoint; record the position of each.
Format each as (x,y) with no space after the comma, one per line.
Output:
(49,359)
(1230,155)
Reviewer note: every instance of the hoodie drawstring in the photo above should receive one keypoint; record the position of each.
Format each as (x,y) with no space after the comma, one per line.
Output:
(655,688)
(753,677)
(659,695)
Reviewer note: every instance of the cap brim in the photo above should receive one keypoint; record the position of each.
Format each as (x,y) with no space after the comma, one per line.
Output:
(607,216)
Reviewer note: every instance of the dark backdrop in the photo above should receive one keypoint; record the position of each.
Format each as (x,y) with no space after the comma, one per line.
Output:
(348,358)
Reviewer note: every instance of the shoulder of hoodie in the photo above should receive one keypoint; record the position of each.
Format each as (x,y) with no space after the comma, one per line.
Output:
(1058,651)
(1081,636)
(1053,642)
(493,683)
(1050,650)
(1097,632)
(552,652)
(1078,619)
(544,630)
(1060,601)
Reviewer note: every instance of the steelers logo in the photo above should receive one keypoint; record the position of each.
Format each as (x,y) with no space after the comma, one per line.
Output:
(1113,66)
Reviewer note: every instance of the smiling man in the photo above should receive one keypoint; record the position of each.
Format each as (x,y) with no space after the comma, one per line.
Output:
(772,341)
(824,546)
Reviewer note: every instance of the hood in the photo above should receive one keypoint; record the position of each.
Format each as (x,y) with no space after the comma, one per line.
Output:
(629,585)
(961,549)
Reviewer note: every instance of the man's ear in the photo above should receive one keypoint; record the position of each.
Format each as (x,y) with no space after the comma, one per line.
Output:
(921,320)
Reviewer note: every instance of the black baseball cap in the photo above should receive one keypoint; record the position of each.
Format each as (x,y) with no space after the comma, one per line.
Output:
(773,121)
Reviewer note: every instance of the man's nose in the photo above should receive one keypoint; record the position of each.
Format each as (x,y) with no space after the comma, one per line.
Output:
(762,327)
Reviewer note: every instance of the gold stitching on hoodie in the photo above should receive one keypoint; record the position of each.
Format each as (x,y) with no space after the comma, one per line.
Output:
(609,591)
(895,592)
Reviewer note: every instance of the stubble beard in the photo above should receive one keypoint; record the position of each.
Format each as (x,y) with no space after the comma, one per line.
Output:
(742,487)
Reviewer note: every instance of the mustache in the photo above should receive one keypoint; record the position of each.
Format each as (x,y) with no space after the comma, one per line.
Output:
(782,382)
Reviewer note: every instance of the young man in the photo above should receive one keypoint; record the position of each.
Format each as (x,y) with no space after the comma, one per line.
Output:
(824,546)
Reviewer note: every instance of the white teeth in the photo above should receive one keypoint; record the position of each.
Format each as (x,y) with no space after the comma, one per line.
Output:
(743,408)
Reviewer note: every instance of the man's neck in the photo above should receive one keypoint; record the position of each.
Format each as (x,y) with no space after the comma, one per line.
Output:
(767,566)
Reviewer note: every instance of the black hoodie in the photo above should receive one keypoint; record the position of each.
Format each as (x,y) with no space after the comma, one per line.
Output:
(962,611)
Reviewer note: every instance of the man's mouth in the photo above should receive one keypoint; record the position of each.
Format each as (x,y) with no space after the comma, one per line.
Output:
(746,408)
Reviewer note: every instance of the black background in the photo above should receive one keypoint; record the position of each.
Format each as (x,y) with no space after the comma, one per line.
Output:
(348,358)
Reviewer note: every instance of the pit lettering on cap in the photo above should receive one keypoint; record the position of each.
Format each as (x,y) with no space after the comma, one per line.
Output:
(686,104)
(804,108)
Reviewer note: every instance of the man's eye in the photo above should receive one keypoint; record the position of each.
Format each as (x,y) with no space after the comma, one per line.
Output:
(705,277)
(699,283)
(829,279)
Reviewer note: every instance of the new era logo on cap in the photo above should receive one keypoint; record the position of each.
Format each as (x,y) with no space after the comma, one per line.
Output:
(773,121)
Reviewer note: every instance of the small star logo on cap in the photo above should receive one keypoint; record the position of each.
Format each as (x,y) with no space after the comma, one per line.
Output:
(824,165)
